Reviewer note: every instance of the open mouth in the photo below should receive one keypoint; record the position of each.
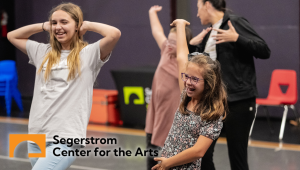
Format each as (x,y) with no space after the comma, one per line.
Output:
(190,89)
(60,34)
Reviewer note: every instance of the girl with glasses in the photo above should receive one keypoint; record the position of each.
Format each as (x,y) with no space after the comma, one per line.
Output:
(198,120)
(66,69)
(165,89)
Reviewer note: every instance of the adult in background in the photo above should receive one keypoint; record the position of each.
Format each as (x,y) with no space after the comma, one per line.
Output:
(233,42)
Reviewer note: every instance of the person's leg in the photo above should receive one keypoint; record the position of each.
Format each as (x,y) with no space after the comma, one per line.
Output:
(53,162)
(237,125)
(207,162)
(150,159)
(33,148)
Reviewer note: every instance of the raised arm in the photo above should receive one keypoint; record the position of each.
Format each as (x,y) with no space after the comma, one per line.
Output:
(189,155)
(182,48)
(198,39)
(20,36)
(156,28)
(111,36)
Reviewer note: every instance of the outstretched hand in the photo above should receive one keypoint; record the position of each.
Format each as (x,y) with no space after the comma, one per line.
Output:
(161,165)
(155,8)
(229,35)
(177,22)
(198,39)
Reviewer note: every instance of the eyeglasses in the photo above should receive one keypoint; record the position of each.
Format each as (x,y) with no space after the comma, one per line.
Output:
(172,42)
(194,80)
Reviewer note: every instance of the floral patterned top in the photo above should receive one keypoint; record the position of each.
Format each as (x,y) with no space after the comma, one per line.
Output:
(185,132)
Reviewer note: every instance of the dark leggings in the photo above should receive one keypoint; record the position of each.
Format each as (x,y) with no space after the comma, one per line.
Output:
(237,127)
(150,159)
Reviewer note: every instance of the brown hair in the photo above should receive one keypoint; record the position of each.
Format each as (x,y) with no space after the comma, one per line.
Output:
(188,33)
(77,44)
(213,102)
(219,5)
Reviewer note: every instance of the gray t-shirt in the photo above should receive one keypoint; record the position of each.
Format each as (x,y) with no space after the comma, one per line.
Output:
(62,107)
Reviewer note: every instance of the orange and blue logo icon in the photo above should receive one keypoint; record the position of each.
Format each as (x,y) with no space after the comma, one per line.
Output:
(39,139)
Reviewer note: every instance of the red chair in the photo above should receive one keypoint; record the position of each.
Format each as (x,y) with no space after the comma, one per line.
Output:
(278,98)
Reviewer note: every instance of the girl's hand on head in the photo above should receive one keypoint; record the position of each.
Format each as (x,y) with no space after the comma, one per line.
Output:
(155,8)
(46,26)
(161,165)
(178,22)
(198,39)
(84,28)
(229,35)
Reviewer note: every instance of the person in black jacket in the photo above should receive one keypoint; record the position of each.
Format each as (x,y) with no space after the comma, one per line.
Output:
(233,42)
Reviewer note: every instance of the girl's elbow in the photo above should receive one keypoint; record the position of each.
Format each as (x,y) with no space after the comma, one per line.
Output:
(9,36)
(200,154)
(117,33)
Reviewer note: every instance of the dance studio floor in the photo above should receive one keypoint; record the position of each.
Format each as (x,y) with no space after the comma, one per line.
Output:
(264,152)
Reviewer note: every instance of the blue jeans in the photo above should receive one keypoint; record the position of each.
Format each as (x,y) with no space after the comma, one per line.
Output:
(51,161)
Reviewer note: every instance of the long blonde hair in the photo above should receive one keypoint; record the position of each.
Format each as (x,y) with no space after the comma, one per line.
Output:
(213,103)
(76,46)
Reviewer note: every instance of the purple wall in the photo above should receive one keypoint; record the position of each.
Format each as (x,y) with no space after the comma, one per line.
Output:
(278,24)
(136,47)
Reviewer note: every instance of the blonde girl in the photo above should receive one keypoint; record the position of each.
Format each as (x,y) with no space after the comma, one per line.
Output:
(66,70)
